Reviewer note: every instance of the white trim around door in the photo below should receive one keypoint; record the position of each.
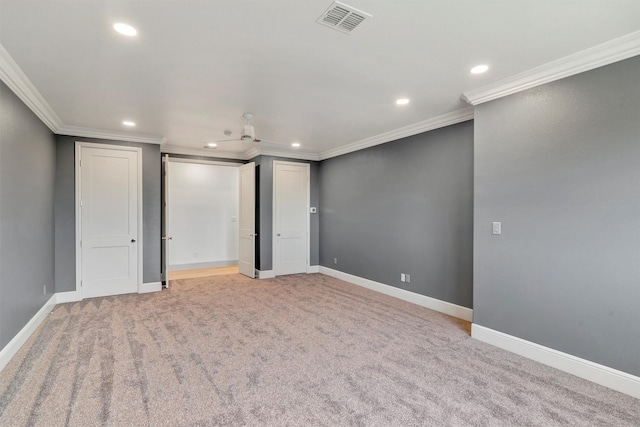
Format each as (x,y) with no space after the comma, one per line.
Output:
(78,210)
(247,220)
(275,230)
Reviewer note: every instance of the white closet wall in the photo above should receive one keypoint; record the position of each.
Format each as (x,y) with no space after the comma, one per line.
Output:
(203,213)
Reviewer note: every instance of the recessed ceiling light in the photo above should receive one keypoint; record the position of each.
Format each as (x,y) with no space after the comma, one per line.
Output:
(128,123)
(295,144)
(211,145)
(125,29)
(402,101)
(479,69)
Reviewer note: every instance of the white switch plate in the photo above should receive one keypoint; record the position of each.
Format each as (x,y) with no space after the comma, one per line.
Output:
(497,228)
(402,277)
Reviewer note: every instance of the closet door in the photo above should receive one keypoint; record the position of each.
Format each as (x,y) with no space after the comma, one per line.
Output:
(247,220)
(110,206)
(290,217)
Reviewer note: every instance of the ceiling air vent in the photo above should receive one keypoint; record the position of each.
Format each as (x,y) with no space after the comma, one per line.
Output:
(343,18)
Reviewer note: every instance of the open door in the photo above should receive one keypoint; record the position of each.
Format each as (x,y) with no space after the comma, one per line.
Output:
(247,223)
(166,237)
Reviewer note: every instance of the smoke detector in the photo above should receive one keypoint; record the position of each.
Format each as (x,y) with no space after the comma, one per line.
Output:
(342,17)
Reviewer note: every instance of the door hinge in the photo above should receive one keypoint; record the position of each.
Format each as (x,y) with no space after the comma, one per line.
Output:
(80,163)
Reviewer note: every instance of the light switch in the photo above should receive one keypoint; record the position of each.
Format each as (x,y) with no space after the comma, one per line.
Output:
(497,228)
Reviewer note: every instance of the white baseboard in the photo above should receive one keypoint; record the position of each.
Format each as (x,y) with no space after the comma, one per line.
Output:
(591,371)
(266,274)
(270,274)
(422,300)
(71,296)
(150,287)
(21,337)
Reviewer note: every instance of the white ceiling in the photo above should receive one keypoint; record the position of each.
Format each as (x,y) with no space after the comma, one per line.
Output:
(196,66)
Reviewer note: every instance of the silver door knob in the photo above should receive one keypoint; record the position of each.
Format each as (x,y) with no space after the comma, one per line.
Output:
(133,240)
(278,234)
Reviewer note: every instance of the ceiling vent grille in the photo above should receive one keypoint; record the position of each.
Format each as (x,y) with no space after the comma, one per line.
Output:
(343,18)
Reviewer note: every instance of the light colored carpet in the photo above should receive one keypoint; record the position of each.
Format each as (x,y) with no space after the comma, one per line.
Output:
(305,350)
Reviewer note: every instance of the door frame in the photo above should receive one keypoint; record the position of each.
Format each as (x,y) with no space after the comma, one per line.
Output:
(274,245)
(170,158)
(139,247)
(252,235)
(165,235)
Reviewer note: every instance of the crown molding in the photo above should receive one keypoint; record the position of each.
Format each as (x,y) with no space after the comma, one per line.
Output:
(259,151)
(191,151)
(597,56)
(437,122)
(106,134)
(251,153)
(236,155)
(19,83)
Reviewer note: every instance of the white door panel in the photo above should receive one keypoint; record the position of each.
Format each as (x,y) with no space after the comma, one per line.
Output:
(291,217)
(109,221)
(166,232)
(107,263)
(246,221)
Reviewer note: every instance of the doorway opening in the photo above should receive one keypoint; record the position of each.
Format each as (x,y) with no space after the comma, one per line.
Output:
(200,217)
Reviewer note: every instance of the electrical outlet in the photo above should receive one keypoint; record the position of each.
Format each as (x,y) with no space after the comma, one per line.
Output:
(335,260)
(195,254)
(402,277)
(408,277)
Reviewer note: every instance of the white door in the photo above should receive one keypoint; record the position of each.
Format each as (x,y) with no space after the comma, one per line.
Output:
(291,217)
(247,223)
(166,236)
(109,214)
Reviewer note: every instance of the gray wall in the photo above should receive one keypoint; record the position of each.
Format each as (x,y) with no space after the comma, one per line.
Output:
(403,207)
(65,245)
(559,165)
(27,164)
(264,210)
